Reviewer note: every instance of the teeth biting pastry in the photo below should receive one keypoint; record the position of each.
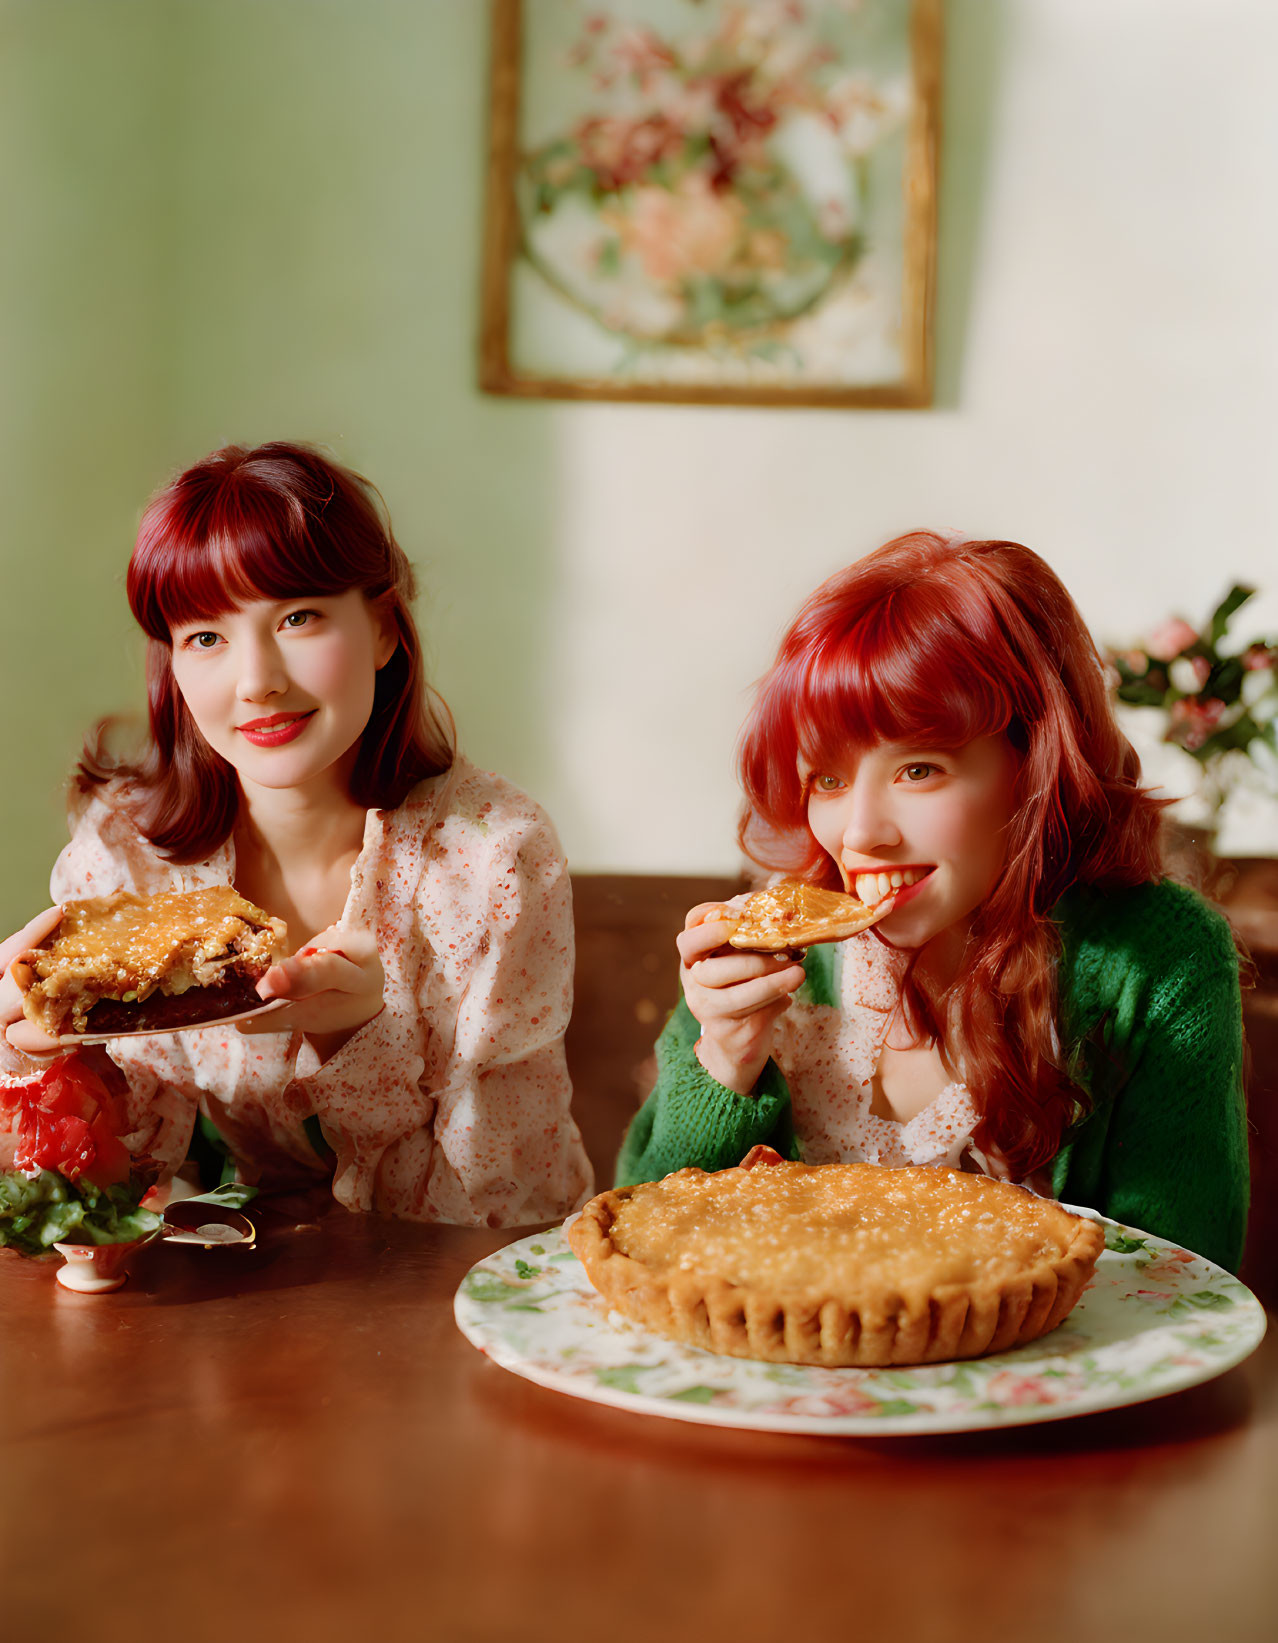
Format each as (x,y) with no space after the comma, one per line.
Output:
(794,914)
(129,963)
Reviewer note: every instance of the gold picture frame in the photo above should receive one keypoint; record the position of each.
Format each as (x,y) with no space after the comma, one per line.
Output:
(712,201)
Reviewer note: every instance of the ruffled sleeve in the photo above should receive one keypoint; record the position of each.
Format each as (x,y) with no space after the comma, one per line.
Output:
(453,1103)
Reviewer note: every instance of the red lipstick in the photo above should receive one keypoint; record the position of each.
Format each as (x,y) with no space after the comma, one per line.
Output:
(275,730)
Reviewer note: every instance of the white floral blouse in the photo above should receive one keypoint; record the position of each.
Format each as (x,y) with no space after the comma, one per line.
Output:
(828,1057)
(453,1103)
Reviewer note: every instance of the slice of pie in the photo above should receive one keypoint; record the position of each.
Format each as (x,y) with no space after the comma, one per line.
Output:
(128,963)
(837,1264)
(794,914)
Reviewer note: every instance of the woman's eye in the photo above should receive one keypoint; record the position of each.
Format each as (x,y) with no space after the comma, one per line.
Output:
(298,618)
(918,772)
(200,641)
(821,783)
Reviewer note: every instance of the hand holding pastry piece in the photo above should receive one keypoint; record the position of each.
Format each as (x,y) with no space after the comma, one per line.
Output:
(739,974)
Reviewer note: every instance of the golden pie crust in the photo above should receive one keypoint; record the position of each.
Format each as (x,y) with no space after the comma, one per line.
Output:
(837,1264)
(130,954)
(794,914)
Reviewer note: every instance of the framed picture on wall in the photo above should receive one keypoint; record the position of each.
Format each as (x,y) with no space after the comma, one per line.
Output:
(715,201)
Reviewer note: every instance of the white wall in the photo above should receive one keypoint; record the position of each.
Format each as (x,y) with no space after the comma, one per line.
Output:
(1109,397)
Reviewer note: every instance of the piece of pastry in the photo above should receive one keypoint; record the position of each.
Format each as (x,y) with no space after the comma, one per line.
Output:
(794,914)
(837,1264)
(130,963)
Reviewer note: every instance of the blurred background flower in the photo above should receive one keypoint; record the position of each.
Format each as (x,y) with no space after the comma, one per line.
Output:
(1210,698)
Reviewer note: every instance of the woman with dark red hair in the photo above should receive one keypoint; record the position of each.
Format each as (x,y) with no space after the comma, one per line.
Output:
(1038,1002)
(297,753)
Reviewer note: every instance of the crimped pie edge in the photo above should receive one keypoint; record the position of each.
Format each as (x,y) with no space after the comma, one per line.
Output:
(723,1317)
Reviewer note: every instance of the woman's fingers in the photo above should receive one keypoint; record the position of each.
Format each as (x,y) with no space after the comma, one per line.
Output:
(31,1040)
(15,976)
(313,970)
(727,968)
(31,935)
(697,940)
(335,984)
(703,912)
(742,997)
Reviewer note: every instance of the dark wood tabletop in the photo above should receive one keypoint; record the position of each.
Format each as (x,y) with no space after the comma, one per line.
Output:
(296,1442)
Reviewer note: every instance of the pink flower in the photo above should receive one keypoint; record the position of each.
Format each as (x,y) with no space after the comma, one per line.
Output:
(844,1400)
(1191,722)
(1169,638)
(690,229)
(1257,657)
(621,151)
(1007,1388)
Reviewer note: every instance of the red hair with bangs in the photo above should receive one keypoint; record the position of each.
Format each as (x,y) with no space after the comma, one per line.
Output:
(936,642)
(277,521)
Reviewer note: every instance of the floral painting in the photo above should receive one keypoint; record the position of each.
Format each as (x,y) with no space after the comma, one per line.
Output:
(712,200)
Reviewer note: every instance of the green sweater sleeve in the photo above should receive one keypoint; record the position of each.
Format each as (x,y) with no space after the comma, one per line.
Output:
(1152,1016)
(690,1118)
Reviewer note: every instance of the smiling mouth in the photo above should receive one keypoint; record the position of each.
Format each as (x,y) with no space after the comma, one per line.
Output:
(279,727)
(873,888)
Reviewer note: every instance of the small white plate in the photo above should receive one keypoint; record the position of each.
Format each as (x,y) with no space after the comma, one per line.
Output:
(1154,1319)
(72,1040)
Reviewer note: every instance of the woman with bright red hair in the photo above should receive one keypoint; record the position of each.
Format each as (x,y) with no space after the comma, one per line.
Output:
(1038,1002)
(297,754)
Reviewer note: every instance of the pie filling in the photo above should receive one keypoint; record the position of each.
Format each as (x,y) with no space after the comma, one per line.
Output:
(123,962)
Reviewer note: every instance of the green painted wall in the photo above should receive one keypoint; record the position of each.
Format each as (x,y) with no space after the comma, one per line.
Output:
(247,219)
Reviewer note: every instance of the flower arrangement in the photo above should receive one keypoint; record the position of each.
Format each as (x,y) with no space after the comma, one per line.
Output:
(710,188)
(1218,698)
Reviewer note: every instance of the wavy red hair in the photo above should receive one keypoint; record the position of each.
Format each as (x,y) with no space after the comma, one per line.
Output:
(276,521)
(935,642)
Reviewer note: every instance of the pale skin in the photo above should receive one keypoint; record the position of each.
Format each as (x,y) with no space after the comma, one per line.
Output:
(303,672)
(891,807)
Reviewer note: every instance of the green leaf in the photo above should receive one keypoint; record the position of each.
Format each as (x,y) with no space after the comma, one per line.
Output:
(1210,1300)
(608,262)
(1122,1245)
(1140,693)
(523,1270)
(232,1195)
(624,1378)
(694,1394)
(537,1249)
(1225,680)
(486,1288)
(1237,596)
(48,1209)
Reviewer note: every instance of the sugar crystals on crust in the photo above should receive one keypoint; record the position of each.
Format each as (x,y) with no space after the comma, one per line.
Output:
(124,948)
(837,1264)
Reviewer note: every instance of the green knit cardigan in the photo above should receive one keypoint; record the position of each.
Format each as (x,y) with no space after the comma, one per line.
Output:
(1150,1021)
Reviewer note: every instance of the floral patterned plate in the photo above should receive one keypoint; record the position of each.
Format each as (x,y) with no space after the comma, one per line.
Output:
(1154,1319)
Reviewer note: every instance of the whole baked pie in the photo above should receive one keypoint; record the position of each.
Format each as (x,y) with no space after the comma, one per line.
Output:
(837,1264)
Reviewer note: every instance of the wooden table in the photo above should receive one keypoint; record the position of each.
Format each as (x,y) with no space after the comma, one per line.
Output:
(296,1443)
